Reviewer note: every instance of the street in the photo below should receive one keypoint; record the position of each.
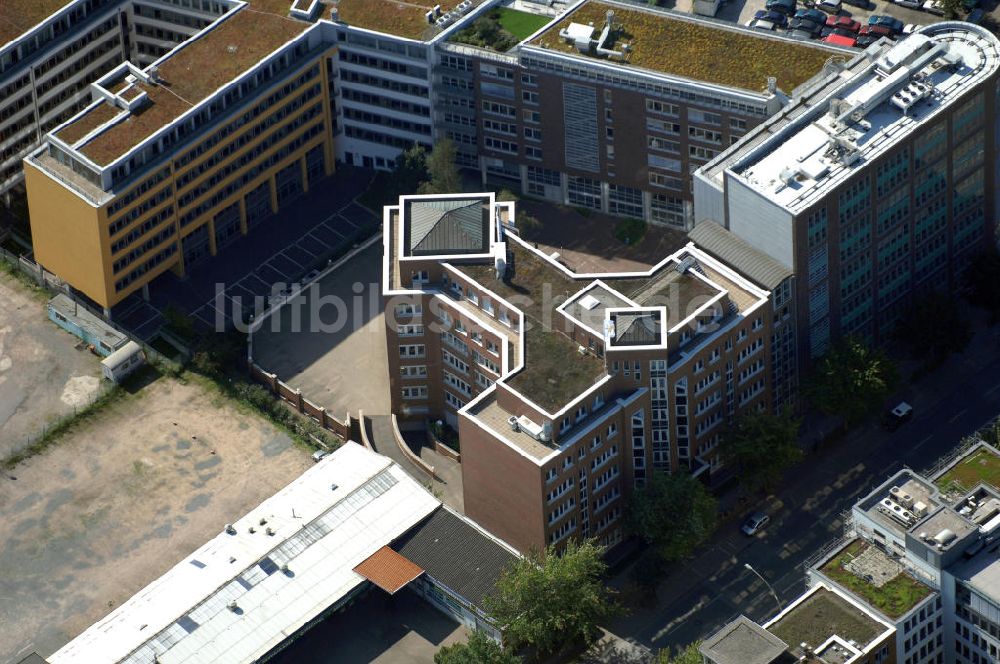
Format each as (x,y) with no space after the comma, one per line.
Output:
(712,588)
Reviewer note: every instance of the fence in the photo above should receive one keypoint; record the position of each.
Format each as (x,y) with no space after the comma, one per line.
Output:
(293,397)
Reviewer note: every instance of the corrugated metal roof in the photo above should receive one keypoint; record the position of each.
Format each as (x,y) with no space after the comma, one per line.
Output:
(388,570)
(243,592)
(457,554)
(738,254)
(447,226)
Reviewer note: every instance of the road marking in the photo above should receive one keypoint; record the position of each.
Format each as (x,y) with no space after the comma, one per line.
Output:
(922,442)
(958,415)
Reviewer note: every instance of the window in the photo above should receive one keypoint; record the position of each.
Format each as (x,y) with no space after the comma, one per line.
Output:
(415,392)
(663,108)
(411,350)
(410,330)
(413,371)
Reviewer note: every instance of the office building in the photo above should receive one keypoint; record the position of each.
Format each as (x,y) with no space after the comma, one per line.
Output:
(874,184)
(595,111)
(568,389)
(169,128)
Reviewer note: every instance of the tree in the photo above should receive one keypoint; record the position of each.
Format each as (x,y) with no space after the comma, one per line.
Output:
(932,328)
(851,380)
(411,169)
(689,655)
(762,445)
(673,513)
(550,601)
(981,278)
(444,176)
(951,8)
(480,649)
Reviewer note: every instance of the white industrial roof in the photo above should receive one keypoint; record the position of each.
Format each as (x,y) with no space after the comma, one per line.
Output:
(334,516)
(904,88)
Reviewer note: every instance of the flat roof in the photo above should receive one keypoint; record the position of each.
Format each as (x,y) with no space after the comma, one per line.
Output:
(743,642)
(692,48)
(821,614)
(192,73)
(275,570)
(93,325)
(900,510)
(19,16)
(394,17)
(906,87)
(981,572)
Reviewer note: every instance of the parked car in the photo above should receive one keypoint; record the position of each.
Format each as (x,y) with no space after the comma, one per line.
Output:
(932,6)
(786,7)
(911,4)
(898,416)
(319,455)
(814,15)
(975,16)
(841,39)
(970,4)
(863,4)
(804,35)
(910,28)
(805,25)
(843,23)
(876,31)
(762,25)
(829,6)
(773,16)
(310,276)
(755,523)
(864,41)
(890,22)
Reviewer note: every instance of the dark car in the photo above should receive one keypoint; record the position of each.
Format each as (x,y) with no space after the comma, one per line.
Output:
(804,35)
(863,4)
(864,41)
(814,15)
(970,4)
(771,15)
(898,416)
(805,25)
(786,7)
(843,23)
(975,16)
(890,22)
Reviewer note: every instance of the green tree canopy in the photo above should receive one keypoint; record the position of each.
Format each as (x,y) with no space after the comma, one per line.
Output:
(689,655)
(674,513)
(480,649)
(550,601)
(934,327)
(851,380)
(444,176)
(762,445)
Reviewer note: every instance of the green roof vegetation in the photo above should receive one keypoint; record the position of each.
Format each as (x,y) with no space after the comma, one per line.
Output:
(19,16)
(894,598)
(403,19)
(501,29)
(981,466)
(822,615)
(682,47)
(554,371)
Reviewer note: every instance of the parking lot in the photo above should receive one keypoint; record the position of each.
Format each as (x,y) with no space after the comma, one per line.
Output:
(303,236)
(329,341)
(742,11)
(45,373)
(121,499)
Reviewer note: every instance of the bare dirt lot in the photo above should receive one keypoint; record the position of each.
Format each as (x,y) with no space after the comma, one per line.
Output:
(120,499)
(42,375)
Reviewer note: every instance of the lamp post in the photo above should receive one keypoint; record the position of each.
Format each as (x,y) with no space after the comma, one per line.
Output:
(769,587)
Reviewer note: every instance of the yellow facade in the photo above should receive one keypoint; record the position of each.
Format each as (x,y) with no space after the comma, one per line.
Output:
(72,237)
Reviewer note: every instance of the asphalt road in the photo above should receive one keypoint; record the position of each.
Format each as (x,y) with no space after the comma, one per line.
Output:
(714,587)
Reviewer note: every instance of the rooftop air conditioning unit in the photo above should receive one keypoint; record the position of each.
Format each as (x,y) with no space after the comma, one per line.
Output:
(512,421)
(582,350)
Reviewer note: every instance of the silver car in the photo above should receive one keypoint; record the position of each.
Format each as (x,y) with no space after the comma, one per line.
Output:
(755,523)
